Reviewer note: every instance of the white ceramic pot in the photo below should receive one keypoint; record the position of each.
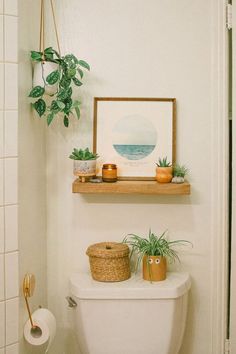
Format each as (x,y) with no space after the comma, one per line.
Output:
(41,71)
(84,167)
(177,179)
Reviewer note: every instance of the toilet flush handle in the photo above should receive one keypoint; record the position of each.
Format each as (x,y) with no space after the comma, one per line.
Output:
(71,302)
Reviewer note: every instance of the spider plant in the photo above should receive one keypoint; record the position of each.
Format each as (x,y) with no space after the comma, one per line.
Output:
(153,246)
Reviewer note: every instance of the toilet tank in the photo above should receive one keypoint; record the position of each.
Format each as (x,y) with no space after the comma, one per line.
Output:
(130,317)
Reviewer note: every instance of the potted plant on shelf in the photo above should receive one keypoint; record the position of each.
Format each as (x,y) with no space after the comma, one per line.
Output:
(154,252)
(84,163)
(53,86)
(179,172)
(163,171)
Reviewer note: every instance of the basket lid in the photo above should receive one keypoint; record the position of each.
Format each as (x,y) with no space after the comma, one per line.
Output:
(176,284)
(108,250)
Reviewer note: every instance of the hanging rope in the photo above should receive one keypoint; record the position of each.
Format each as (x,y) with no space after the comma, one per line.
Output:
(42,28)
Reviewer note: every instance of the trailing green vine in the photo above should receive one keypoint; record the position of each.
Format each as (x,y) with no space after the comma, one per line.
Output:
(69,73)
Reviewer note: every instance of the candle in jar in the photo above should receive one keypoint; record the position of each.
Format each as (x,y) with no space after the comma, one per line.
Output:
(109,172)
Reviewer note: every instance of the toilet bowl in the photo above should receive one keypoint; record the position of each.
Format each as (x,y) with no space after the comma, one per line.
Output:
(130,317)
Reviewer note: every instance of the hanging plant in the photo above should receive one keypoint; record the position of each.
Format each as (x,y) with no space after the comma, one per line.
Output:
(55,77)
(65,77)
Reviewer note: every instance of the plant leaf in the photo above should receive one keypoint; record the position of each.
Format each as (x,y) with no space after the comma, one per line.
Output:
(50,118)
(84,64)
(77,82)
(77,110)
(66,121)
(40,106)
(81,73)
(36,56)
(53,77)
(37,91)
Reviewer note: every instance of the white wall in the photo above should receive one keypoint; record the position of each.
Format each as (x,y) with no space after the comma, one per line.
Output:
(144,49)
(32,170)
(9,285)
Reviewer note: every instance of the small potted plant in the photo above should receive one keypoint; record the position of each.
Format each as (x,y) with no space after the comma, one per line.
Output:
(84,163)
(54,79)
(154,252)
(163,171)
(179,172)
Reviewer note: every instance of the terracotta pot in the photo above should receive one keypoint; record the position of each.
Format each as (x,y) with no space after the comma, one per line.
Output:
(164,174)
(41,71)
(154,268)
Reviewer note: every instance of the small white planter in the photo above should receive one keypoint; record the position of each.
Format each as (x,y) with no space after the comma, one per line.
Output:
(84,168)
(177,180)
(41,71)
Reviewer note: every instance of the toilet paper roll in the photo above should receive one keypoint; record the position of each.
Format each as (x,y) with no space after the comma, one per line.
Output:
(45,331)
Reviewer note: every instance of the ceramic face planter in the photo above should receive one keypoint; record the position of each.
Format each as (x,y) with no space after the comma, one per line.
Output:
(164,174)
(154,268)
(41,71)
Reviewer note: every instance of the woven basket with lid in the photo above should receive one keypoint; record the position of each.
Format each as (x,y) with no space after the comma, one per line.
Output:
(109,261)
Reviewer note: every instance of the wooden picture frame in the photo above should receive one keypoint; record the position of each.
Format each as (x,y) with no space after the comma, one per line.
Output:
(134,133)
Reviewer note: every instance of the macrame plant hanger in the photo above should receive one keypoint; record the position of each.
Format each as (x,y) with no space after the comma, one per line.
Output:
(42,28)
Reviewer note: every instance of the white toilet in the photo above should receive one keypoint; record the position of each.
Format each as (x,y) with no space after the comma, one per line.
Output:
(130,317)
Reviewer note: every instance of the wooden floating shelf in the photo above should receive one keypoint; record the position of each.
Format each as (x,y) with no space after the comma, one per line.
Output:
(131,187)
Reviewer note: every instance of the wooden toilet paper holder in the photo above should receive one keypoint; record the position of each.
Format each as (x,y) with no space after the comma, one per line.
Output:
(28,291)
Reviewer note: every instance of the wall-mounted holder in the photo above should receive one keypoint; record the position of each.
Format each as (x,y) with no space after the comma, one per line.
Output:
(28,291)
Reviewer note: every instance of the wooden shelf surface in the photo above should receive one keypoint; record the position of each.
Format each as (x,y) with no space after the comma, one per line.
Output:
(131,187)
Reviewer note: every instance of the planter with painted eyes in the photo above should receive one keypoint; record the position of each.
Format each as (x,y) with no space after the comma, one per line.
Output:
(154,268)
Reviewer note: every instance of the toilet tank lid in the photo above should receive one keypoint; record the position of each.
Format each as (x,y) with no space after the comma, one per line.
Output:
(176,284)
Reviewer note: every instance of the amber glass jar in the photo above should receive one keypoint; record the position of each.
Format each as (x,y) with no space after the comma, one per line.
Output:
(109,172)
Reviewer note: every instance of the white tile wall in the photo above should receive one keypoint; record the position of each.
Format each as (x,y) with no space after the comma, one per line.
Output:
(11,228)
(1,134)
(2,283)
(1,182)
(10,33)
(11,136)
(2,324)
(1,38)
(12,320)
(12,349)
(11,275)
(9,268)
(11,184)
(11,86)
(11,7)
(1,229)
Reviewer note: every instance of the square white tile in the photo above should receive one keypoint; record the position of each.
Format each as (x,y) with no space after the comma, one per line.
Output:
(11,133)
(11,86)
(1,6)
(2,278)
(1,134)
(11,275)
(1,183)
(11,7)
(2,86)
(2,324)
(11,39)
(2,229)
(12,318)
(11,228)
(1,37)
(2,351)
(12,349)
(11,181)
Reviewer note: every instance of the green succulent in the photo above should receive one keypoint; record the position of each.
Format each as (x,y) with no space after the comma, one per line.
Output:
(179,170)
(83,154)
(153,246)
(69,73)
(163,162)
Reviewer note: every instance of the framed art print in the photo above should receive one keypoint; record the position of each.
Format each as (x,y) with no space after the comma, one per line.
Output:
(134,133)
